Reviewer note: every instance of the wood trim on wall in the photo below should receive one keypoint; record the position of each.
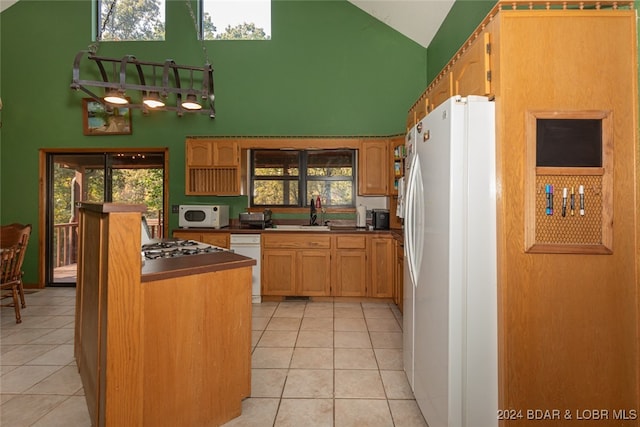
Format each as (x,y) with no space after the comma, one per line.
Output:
(585,244)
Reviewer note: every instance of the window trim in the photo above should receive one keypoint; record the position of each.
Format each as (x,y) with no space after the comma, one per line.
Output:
(302,178)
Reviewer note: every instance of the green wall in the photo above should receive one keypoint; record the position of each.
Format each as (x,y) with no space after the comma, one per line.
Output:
(330,69)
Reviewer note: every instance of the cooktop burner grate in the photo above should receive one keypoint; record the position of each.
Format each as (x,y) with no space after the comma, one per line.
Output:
(177,248)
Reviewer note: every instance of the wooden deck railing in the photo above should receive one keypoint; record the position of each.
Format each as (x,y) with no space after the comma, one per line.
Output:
(65,240)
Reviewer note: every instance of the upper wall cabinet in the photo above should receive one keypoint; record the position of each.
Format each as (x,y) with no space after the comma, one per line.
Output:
(471,73)
(440,90)
(212,167)
(373,173)
(468,73)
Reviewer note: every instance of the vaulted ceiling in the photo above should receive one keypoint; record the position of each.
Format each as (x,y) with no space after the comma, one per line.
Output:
(417,19)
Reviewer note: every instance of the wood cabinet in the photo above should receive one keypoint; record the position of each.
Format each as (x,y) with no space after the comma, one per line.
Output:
(341,265)
(217,238)
(381,266)
(471,73)
(296,264)
(560,316)
(349,266)
(278,272)
(468,73)
(398,281)
(212,166)
(373,176)
(212,152)
(166,343)
(440,90)
(313,267)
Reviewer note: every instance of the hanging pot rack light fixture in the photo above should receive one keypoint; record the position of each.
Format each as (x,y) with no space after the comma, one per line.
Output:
(128,85)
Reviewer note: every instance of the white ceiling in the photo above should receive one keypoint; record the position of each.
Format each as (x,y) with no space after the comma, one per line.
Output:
(6,3)
(417,19)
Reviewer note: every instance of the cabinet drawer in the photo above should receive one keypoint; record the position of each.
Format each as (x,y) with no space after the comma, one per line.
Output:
(296,241)
(350,242)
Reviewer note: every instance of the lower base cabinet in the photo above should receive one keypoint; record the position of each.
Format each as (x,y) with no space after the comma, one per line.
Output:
(296,264)
(278,272)
(381,271)
(313,268)
(319,265)
(398,293)
(213,238)
(350,266)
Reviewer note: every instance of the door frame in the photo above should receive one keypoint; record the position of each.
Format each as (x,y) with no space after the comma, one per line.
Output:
(43,184)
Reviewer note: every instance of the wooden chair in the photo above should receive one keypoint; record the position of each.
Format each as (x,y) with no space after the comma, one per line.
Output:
(16,235)
(11,275)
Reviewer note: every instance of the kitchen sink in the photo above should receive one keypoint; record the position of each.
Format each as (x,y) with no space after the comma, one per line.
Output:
(296,227)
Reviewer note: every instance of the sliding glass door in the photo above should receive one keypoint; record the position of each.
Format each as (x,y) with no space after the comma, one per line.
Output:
(115,176)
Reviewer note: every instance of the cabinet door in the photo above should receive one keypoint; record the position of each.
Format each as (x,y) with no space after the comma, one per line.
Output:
(373,174)
(398,292)
(470,72)
(186,235)
(441,91)
(216,239)
(278,272)
(314,278)
(225,153)
(199,152)
(350,269)
(381,267)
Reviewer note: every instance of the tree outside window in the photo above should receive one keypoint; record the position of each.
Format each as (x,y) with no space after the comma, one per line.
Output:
(131,20)
(292,178)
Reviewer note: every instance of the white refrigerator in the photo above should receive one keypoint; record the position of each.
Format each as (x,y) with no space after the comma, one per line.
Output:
(450,277)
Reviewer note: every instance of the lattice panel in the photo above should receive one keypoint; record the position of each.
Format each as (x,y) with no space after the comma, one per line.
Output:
(214,181)
(571,229)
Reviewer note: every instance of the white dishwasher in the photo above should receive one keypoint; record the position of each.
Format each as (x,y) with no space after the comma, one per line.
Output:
(249,246)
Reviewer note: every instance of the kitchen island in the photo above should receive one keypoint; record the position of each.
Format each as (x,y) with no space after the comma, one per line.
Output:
(166,343)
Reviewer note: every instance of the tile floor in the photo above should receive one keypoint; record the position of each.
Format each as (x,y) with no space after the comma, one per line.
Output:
(314,364)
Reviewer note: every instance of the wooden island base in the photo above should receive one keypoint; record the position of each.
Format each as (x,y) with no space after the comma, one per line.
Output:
(168,344)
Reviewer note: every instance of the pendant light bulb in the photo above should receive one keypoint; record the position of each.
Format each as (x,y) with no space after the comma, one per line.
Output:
(115,97)
(191,103)
(153,101)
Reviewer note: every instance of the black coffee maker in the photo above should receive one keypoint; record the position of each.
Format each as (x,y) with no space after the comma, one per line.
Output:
(380,219)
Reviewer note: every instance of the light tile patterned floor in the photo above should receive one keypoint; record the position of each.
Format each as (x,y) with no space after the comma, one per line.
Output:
(314,364)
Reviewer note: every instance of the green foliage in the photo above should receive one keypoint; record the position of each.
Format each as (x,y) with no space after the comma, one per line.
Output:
(132,20)
(244,31)
(62,181)
(208,29)
(139,186)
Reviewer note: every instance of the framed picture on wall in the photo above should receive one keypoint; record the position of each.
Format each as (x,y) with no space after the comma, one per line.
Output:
(99,119)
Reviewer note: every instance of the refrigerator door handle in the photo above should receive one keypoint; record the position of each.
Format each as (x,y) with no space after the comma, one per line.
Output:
(414,221)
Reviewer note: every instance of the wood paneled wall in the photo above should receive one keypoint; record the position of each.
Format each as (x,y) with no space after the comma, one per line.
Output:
(568,323)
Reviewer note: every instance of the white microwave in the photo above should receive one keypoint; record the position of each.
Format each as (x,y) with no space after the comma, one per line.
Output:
(203,216)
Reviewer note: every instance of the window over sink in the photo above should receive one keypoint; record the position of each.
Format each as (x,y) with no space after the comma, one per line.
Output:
(292,178)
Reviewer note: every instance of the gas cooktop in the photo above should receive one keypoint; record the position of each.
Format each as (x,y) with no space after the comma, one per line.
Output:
(176,248)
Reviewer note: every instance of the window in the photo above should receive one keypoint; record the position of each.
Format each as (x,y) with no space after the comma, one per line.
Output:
(294,178)
(122,20)
(236,19)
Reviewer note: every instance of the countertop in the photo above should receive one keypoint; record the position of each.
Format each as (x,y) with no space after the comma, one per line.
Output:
(166,268)
(236,229)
